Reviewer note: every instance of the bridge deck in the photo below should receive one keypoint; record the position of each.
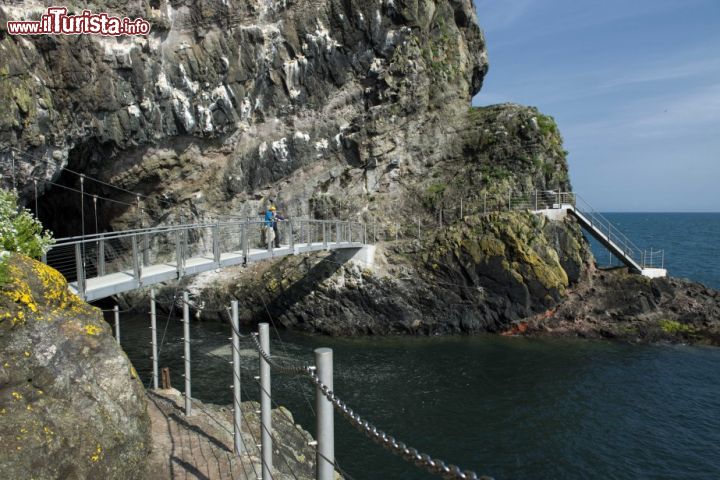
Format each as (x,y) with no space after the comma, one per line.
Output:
(121,282)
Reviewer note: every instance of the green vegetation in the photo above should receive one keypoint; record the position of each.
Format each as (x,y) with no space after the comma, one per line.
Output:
(20,232)
(675,327)
(547,125)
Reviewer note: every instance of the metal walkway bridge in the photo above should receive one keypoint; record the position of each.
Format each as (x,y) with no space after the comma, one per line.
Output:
(102,265)
(650,263)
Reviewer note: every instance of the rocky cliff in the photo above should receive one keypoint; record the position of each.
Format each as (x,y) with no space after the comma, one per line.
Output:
(335,108)
(71,405)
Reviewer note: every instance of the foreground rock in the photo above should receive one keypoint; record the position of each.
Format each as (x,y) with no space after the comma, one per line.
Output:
(71,405)
(202,445)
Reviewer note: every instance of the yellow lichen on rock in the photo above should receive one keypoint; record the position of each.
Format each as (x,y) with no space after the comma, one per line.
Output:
(91,329)
(36,290)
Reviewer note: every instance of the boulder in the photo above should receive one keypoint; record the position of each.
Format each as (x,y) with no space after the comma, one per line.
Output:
(71,404)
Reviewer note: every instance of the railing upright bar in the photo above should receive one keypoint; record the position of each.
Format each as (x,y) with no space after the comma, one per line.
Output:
(325,428)
(216,243)
(80,271)
(116,311)
(153,330)
(237,413)
(137,266)
(265,403)
(186,357)
(179,254)
(101,257)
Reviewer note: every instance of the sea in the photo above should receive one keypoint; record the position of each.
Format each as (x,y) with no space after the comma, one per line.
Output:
(506,407)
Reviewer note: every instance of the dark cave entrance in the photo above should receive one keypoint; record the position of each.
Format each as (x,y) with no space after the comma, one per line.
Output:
(62,207)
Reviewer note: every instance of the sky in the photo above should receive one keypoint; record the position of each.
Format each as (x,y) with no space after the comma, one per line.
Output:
(633,85)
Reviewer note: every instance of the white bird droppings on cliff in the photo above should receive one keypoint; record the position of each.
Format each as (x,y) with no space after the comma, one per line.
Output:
(280,150)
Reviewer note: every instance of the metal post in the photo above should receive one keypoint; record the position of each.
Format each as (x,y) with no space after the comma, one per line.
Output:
(244,239)
(186,341)
(265,405)
(116,310)
(536,199)
(216,243)
(153,329)
(324,230)
(80,271)
(364,234)
(237,414)
(146,250)
(137,269)
(101,257)
(292,236)
(374,232)
(337,232)
(349,227)
(179,253)
(325,428)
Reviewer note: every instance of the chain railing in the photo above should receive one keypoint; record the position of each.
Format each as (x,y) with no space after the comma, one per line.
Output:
(388,442)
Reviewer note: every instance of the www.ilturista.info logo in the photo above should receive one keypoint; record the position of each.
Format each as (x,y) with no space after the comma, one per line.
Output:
(57,22)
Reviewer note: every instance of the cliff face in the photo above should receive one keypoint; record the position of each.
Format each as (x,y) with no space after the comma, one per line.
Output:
(227,98)
(336,109)
(71,405)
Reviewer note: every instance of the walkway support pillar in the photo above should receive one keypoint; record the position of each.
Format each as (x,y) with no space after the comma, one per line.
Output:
(325,426)
(153,330)
(186,357)
(116,311)
(237,414)
(265,404)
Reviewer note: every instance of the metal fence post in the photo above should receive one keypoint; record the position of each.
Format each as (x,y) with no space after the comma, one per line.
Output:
(116,311)
(137,268)
(186,357)
(337,233)
(237,414)
(244,239)
(265,403)
(216,243)
(179,254)
(80,271)
(325,426)
(153,330)
(324,232)
(101,257)
(146,250)
(292,236)
(349,227)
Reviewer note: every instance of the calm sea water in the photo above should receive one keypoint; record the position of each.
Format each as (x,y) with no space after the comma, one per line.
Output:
(513,408)
(691,242)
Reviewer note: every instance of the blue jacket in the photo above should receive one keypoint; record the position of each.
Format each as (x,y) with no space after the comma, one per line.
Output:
(268,218)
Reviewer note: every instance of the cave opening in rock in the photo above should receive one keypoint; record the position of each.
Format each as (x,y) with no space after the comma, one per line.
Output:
(66,212)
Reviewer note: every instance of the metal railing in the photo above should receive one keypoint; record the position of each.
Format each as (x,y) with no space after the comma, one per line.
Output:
(535,200)
(129,252)
(326,400)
